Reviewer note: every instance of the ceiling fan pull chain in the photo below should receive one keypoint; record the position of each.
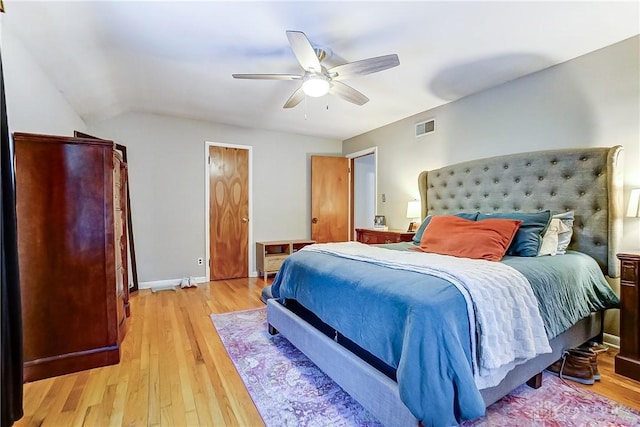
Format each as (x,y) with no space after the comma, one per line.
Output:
(305,107)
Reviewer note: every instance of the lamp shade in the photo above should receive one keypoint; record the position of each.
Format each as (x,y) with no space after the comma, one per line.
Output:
(634,203)
(414,209)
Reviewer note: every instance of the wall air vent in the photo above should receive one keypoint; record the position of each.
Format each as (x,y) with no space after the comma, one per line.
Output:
(426,127)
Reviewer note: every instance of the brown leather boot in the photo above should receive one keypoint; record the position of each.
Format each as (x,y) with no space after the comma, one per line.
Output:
(593,359)
(573,367)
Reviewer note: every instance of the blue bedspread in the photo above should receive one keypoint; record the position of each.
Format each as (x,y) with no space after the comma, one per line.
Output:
(414,322)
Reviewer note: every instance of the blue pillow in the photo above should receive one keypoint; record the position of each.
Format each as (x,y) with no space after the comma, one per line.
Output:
(529,236)
(418,236)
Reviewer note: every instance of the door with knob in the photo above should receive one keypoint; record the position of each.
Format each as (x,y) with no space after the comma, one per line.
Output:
(228,212)
(329,199)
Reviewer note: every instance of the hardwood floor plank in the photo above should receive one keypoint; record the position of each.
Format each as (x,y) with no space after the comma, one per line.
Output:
(93,416)
(177,387)
(115,413)
(192,387)
(79,386)
(174,369)
(35,396)
(93,393)
(107,405)
(152,388)
(54,401)
(213,392)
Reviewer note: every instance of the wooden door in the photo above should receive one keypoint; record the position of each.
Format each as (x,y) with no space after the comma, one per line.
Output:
(329,199)
(228,212)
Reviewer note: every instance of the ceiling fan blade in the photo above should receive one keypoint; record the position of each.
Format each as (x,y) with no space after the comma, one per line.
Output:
(304,52)
(364,67)
(347,93)
(267,76)
(295,98)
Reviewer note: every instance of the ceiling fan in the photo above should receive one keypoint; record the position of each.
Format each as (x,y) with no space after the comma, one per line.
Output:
(318,80)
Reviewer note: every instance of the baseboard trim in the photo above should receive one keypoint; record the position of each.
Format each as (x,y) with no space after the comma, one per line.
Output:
(167,284)
(611,340)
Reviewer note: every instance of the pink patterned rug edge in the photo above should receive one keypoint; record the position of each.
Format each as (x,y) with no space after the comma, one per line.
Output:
(289,390)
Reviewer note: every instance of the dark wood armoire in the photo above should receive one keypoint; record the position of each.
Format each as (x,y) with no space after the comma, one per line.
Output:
(72,252)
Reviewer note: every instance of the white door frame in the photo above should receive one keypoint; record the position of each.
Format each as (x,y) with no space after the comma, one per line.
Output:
(207,193)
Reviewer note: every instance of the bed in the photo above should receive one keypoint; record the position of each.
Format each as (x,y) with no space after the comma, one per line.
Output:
(390,380)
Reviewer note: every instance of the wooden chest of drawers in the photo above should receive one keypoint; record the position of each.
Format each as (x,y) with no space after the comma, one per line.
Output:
(372,236)
(72,253)
(628,360)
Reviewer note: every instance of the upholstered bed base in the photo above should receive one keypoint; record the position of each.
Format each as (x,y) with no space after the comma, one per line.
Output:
(586,181)
(377,392)
(372,389)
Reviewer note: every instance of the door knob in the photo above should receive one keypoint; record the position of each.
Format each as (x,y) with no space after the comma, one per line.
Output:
(245,219)
(314,220)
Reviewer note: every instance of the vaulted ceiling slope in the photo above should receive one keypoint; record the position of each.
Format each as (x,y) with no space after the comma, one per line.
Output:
(176,57)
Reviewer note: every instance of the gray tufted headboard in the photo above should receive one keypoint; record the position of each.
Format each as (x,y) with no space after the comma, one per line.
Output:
(587,181)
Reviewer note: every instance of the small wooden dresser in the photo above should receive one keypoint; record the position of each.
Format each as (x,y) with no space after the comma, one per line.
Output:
(372,236)
(271,255)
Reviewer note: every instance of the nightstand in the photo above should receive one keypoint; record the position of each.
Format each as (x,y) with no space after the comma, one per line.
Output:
(271,255)
(372,236)
(628,360)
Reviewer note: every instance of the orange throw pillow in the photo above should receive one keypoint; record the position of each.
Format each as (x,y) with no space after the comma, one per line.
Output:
(451,235)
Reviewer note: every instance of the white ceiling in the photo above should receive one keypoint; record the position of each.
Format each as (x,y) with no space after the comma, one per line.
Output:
(176,58)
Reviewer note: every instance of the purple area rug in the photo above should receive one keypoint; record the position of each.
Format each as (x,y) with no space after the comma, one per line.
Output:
(289,390)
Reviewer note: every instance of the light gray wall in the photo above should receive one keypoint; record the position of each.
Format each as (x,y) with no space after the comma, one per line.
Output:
(166,158)
(33,104)
(590,101)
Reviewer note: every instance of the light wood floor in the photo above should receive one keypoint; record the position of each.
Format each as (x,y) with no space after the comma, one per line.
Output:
(175,371)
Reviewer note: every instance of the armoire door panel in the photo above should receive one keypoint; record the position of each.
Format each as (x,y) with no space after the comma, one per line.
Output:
(67,253)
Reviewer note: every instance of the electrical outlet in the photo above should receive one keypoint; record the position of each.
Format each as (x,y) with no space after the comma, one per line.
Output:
(384,197)
(200,261)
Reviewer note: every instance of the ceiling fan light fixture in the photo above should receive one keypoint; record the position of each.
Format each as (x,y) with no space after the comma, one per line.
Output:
(316,86)
(317,80)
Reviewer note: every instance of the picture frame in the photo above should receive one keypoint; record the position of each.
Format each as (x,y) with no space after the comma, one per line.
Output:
(413,227)
(379,221)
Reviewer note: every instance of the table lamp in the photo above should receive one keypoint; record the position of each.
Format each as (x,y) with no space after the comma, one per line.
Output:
(414,213)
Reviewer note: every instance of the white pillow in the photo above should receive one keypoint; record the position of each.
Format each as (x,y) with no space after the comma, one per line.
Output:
(565,233)
(549,244)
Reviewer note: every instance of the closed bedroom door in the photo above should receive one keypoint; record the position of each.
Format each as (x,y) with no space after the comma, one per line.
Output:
(228,212)
(329,199)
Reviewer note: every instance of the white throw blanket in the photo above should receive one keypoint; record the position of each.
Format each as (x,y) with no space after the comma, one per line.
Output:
(507,322)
